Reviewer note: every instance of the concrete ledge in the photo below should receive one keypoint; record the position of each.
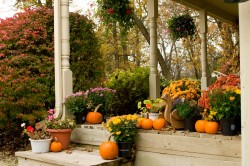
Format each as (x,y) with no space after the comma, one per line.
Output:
(76,158)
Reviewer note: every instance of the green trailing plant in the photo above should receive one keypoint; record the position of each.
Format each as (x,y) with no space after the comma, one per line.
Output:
(181,26)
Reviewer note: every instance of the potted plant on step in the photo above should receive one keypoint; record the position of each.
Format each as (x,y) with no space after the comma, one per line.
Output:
(124,129)
(77,104)
(60,128)
(189,111)
(39,138)
(153,107)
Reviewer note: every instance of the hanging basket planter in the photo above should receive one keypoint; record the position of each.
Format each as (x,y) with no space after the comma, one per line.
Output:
(181,26)
(116,11)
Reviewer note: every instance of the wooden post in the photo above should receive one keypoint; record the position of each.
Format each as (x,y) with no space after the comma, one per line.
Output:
(244,24)
(154,79)
(203,35)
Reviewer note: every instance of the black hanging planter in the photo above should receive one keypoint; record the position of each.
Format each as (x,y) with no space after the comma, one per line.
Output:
(125,149)
(228,126)
(189,124)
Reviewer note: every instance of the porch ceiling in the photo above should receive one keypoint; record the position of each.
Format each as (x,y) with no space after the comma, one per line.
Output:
(216,8)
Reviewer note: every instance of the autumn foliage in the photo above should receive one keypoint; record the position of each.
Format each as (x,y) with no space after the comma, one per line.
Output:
(27,64)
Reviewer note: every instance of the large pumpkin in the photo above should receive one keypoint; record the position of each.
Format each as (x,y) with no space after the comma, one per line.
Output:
(108,150)
(94,117)
(211,127)
(56,146)
(200,126)
(146,124)
(159,123)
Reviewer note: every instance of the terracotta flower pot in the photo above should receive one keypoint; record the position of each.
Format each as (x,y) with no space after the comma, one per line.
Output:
(62,135)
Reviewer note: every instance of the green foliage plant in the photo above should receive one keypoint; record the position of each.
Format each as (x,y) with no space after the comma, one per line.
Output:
(187,109)
(181,26)
(76,102)
(131,87)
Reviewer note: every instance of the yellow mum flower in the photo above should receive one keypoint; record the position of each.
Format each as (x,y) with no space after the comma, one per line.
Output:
(237,91)
(128,117)
(118,133)
(110,129)
(232,98)
(134,117)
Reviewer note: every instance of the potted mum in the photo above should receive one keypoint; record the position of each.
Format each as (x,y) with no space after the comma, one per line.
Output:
(124,130)
(226,104)
(39,138)
(153,107)
(223,98)
(77,104)
(189,111)
(60,128)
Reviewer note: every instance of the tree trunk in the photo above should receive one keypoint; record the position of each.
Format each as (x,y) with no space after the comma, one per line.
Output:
(164,67)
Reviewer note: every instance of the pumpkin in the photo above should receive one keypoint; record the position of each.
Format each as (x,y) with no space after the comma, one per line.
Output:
(147,124)
(108,150)
(56,146)
(211,127)
(159,123)
(139,122)
(200,126)
(94,117)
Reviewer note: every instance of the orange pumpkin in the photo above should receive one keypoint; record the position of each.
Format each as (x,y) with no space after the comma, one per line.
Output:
(139,122)
(159,123)
(108,150)
(56,146)
(94,117)
(147,124)
(211,127)
(200,126)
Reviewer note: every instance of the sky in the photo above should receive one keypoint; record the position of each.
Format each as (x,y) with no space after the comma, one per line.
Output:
(7,9)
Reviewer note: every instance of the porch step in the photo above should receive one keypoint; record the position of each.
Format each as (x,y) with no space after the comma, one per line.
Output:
(64,158)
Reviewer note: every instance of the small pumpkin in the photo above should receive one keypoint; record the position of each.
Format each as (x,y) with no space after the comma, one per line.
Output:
(56,146)
(147,124)
(200,126)
(159,123)
(139,122)
(211,127)
(94,117)
(108,150)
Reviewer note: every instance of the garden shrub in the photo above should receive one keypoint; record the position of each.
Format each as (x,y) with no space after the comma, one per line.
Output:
(27,65)
(131,87)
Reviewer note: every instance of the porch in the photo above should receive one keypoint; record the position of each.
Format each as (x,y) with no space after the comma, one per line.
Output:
(153,147)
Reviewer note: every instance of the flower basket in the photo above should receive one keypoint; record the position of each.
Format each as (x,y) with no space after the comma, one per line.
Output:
(181,26)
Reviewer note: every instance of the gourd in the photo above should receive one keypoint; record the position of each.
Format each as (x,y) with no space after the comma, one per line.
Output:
(159,123)
(211,127)
(94,117)
(56,146)
(108,150)
(200,126)
(146,124)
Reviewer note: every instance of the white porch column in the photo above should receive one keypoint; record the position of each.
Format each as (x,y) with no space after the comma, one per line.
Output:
(203,36)
(67,81)
(244,17)
(154,79)
(57,58)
